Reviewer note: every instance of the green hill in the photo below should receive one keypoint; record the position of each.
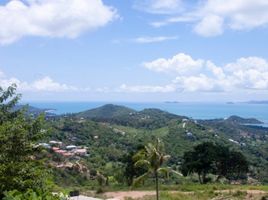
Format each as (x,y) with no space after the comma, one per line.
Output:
(237,119)
(107,111)
(147,118)
(111,132)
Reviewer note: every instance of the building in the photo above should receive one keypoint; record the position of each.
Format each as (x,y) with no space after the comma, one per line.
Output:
(55,143)
(71,147)
(80,152)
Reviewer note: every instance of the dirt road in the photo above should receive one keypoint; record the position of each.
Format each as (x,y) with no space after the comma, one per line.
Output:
(121,195)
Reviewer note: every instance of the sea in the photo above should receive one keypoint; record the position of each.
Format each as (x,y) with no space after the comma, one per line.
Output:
(195,110)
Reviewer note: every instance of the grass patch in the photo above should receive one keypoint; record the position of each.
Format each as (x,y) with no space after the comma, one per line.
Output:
(212,187)
(205,195)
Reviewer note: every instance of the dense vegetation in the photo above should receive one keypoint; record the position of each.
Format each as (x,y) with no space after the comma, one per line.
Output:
(113,134)
(214,159)
(21,173)
(114,137)
(147,118)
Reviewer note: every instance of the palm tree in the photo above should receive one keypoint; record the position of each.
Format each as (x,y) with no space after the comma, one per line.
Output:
(152,157)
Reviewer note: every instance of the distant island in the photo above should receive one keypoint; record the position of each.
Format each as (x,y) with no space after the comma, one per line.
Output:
(171,102)
(257,102)
(249,102)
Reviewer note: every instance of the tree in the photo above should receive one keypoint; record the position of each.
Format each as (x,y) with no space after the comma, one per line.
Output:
(215,159)
(19,170)
(153,158)
(200,161)
(231,165)
(130,170)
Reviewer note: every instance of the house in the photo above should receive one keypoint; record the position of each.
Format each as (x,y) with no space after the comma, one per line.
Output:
(55,143)
(80,152)
(45,145)
(71,147)
(55,149)
(60,151)
(67,154)
(185,120)
(64,153)
(233,141)
(189,134)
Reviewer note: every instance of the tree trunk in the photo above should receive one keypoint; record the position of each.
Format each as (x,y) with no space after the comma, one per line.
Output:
(199,178)
(204,178)
(156,186)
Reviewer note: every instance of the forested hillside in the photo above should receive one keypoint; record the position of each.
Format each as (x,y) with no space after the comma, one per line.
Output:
(111,133)
(101,147)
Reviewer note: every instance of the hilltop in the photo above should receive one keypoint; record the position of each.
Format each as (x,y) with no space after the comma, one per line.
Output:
(147,118)
(111,132)
(34,111)
(107,111)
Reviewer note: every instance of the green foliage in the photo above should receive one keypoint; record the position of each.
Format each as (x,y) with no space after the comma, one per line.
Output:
(204,195)
(19,170)
(215,159)
(153,158)
(147,118)
(200,160)
(112,132)
(131,171)
(32,195)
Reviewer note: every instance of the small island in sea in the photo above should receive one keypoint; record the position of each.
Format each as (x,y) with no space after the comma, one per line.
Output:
(257,102)
(172,102)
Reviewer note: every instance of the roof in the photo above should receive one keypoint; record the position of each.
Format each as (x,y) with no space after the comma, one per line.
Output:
(70,147)
(80,151)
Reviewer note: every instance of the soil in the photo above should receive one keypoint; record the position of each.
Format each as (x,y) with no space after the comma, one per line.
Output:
(121,195)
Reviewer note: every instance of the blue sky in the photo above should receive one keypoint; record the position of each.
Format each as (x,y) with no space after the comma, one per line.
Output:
(136,50)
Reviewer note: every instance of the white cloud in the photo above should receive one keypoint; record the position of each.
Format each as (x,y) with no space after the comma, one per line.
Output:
(249,73)
(171,20)
(212,17)
(147,88)
(103,90)
(52,18)
(239,14)
(45,84)
(144,40)
(159,6)
(196,83)
(180,63)
(211,25)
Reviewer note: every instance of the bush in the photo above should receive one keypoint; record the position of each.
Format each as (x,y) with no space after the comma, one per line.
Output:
(31,195)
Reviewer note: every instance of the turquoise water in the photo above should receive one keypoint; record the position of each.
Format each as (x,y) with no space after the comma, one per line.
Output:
(194,110)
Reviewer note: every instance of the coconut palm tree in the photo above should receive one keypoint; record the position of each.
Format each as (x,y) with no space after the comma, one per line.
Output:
(152,157)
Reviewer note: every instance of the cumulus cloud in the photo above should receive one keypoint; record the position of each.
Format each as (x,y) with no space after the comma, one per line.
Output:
(52,18)
(250,73)
(147,88)
(159,6)
(180,63)
(210,25)
(45,84)
(212,17)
